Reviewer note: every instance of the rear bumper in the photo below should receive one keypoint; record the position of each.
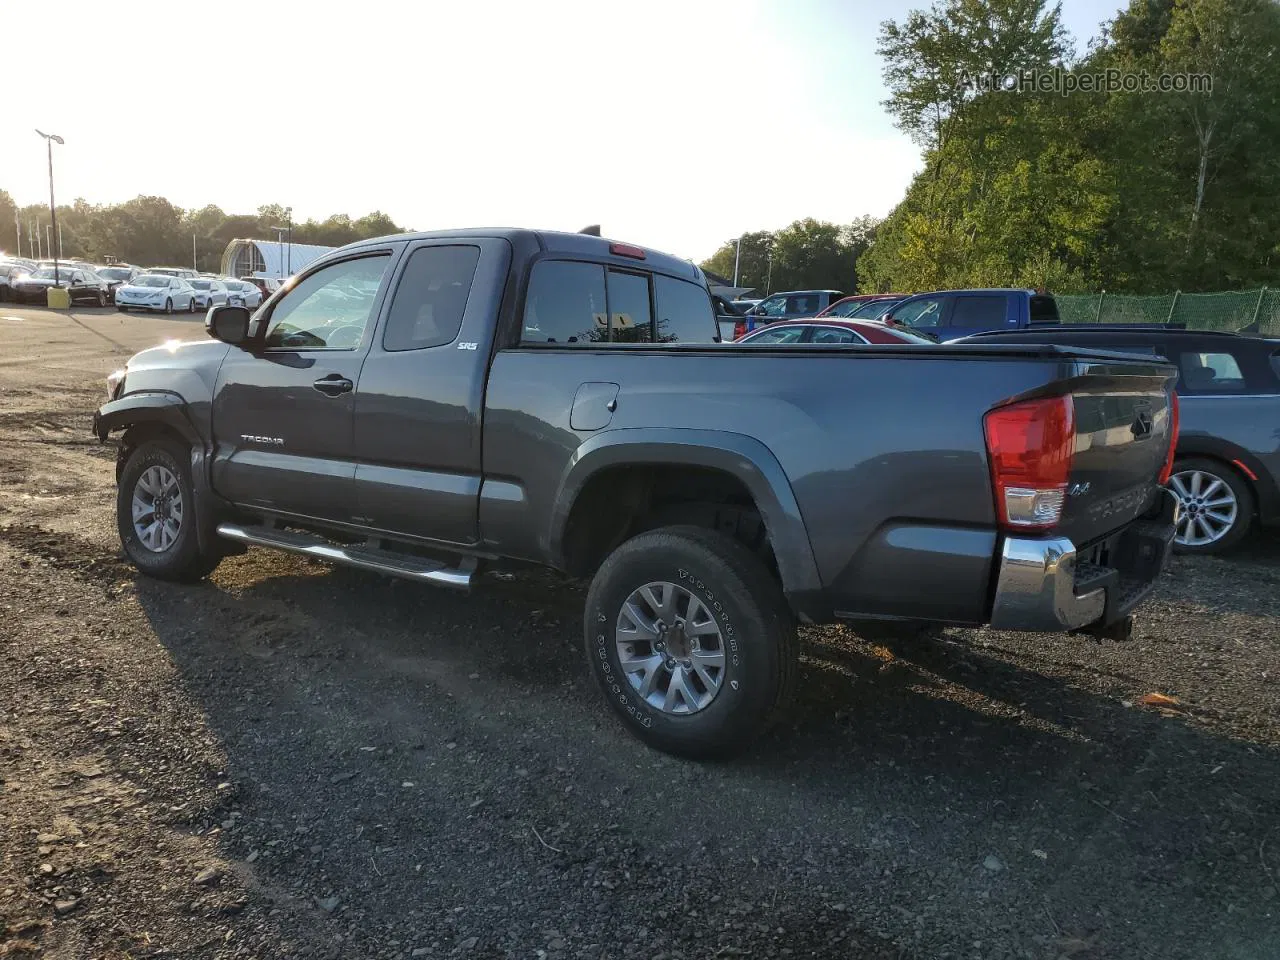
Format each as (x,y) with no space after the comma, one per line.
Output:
(1048,585)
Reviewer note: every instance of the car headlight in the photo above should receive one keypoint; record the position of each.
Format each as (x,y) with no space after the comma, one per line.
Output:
(115,383)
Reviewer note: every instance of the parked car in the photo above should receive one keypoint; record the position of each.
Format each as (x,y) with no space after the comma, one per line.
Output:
(157,292)
(243,294)
(266,285)
(116,275)
(11,271)
(185,273)
(951,314)
(792,305)
(824,330)
(1227,467)
(208,292)
(476,394)
(863,305)
(80,284)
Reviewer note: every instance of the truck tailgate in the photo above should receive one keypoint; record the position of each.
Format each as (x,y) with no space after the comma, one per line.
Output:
(1123,420)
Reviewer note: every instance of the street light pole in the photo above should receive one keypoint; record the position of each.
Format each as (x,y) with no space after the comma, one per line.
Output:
(737,259)
(289,262)
(50,139)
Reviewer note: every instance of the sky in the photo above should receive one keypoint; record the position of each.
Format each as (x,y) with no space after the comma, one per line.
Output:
(676,125)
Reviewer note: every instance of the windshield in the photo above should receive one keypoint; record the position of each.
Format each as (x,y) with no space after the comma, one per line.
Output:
(151,281)
(200,284)
(46,273)
(114,273)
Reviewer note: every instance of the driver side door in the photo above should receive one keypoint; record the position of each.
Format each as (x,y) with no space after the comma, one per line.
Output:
(283,411)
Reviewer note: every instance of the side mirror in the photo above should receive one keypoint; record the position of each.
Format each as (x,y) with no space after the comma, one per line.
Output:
(228,324)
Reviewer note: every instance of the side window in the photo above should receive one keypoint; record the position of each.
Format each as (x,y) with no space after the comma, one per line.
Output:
(772,307)
(1275,364)
(1211,373)
(987,312)
(805,303)
(683,312)
(781,335)
(430,298)
(328,309)
(925,313)
(833,335)
(630,317)
(565,303)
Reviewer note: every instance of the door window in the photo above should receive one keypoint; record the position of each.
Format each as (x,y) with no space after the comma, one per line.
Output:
(430,298)
(683,311)
(803,303)
(834,335)
(979,312)
(772,307)
(925,313)
(328,309)
(1211,373)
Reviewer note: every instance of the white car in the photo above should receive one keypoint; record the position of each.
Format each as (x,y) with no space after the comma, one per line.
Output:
(155,291)
(243,294)
(209,292)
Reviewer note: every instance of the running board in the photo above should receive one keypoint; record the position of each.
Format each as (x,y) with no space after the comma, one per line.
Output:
(364,558)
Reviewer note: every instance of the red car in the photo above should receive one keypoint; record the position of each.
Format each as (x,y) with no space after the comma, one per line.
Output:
(864,306)
(825,330)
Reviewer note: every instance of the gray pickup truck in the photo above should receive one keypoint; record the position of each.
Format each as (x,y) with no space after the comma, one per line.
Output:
(419,405)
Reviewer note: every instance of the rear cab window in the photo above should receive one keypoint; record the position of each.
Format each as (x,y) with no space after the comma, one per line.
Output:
(1044,309)
(576,302)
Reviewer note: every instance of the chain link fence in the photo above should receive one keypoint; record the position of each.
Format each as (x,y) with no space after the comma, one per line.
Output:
(1229,310)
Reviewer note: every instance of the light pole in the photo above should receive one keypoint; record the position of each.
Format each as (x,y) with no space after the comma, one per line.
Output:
(50,139)
(280,232)
(737,259)
(288,212)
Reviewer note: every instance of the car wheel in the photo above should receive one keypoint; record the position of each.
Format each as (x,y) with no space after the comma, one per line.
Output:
(691,641)
(155,513)
(102,299)
(1217,505)
(168,305)
(191,305)
(122,309)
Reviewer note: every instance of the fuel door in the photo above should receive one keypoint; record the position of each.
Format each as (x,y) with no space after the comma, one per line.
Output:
(593,406)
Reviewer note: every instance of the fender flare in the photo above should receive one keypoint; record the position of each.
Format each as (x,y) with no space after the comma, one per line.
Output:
(151,407)
(1266,493)
(738,455)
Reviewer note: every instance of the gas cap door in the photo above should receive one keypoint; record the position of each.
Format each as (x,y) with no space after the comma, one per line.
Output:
(593,406)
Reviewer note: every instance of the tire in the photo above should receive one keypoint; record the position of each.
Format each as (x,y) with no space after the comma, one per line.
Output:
(1201,530)
(102,299)
(172,551)
(168,305)
(122,309)
(191,305)
(753,630)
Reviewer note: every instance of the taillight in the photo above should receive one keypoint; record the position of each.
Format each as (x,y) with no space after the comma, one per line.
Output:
(739,329)
(1174,425)
(1030,445)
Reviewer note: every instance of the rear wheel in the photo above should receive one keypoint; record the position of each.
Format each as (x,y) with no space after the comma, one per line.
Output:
(155,513)
(691,641)
(1217,505)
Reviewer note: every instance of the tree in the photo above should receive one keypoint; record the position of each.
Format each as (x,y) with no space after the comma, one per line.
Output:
(808,254)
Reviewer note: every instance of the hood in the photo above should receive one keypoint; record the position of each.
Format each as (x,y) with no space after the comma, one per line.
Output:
(173,354)
(40,281)
(136,291)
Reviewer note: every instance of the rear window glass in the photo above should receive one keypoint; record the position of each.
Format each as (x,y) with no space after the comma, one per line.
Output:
(1044,309)
(780,335)
(1210,372)
(565,303)
(430,298)
(683,311)
(629,311)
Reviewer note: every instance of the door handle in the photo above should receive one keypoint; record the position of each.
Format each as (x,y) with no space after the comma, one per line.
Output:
(335,384)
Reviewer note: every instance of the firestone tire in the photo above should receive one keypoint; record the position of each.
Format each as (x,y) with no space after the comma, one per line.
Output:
(151,465)
(754,630)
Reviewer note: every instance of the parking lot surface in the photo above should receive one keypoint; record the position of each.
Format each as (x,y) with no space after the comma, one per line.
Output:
(296,760)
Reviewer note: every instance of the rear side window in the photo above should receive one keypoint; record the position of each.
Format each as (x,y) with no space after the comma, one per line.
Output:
(431,297)
(683,311)
(1211,373)
(979,312)
(629,311)
(565,303)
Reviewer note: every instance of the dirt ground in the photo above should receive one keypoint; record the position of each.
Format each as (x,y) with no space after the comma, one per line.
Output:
(295,760)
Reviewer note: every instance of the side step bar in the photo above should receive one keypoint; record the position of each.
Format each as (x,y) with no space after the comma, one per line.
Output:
(365,558)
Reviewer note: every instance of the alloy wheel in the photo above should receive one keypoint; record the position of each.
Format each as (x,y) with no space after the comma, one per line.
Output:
(670,648)
(1209,507)
(157,508)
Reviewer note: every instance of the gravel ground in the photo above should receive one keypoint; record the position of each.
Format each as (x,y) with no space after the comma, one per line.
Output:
(294,760)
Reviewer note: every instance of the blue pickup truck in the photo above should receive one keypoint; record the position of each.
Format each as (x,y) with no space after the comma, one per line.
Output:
(951,314)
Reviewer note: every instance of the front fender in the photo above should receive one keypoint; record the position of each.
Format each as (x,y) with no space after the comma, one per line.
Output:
(740,456)
(159,407)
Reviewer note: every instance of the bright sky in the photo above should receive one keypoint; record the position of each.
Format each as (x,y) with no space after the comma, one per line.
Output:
(672,124)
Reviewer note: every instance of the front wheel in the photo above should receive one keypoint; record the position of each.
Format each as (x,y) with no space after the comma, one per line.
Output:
(191,305)
(690,639)
(1217,505)
(155,513)
(102,299)
(168,306)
